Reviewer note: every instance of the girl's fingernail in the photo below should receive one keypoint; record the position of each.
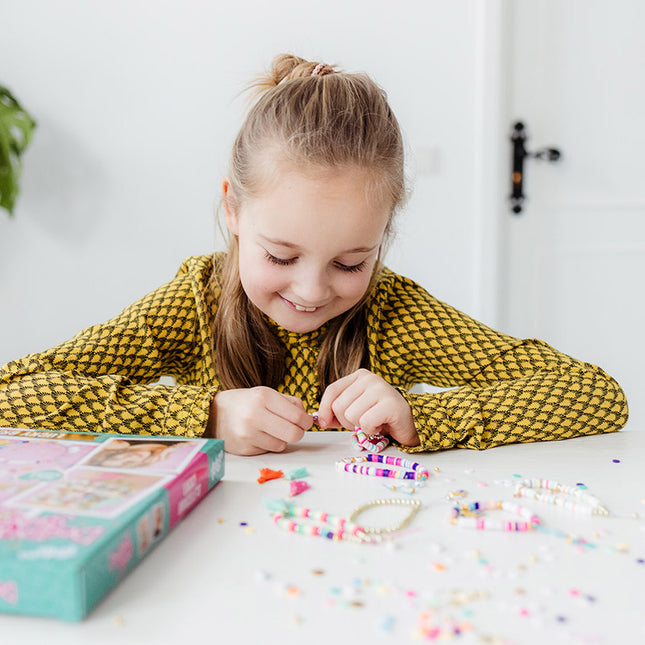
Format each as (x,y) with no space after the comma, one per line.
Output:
(315,417)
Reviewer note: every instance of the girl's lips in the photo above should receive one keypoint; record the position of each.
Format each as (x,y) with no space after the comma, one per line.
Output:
(298,307)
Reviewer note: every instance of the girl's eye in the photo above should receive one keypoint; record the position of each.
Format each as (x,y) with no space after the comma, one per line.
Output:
(279,261)
(355,268)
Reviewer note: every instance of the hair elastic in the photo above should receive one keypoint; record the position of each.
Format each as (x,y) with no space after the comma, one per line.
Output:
(319,68)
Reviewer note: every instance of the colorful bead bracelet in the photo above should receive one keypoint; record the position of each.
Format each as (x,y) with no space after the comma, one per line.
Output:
(372,443)
(470,516)
(570,498)
(320,523)
(412,469)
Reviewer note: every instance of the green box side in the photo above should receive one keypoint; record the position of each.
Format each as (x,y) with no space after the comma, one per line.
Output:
(70,589)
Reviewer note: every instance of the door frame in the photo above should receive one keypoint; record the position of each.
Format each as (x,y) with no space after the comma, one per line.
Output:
(491,181)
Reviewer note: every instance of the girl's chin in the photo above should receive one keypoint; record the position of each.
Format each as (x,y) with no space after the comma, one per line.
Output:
(299,326)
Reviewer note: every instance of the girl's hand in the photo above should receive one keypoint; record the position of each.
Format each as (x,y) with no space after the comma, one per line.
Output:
(257,420)
(363,399)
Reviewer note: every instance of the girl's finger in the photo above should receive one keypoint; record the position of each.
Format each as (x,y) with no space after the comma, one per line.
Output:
(291,409)
(326,416)
(356,410)
(266,442)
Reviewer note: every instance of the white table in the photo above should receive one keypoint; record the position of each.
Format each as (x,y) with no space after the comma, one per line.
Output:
(213,580)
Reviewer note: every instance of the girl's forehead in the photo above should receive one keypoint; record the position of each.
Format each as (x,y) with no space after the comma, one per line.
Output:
(272,171)
(297,204)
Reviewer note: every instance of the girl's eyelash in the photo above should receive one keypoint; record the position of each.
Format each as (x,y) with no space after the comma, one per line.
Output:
(279,261)
(351,269)
(355,268)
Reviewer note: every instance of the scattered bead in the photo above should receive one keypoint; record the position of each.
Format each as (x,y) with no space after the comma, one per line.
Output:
(386,624)
(262,576)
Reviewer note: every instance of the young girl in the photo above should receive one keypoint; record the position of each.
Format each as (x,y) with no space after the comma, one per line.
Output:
(300,317)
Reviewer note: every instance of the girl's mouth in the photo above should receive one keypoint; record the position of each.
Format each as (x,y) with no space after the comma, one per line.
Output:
(298,307)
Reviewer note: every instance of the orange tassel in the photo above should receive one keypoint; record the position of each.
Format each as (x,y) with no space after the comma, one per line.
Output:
(266,474)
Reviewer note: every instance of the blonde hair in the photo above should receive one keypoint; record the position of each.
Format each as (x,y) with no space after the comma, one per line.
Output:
(307,115)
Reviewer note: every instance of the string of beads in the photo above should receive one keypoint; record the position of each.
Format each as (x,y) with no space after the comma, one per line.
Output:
(570,498)
(413,503)
(319,523)
(471,516)
(372,443)
(411,469)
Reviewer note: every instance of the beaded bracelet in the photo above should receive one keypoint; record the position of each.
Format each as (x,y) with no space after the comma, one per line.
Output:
(372,443)
(342,529)
(414,469)
(470,516)
(413,503)
(579,502)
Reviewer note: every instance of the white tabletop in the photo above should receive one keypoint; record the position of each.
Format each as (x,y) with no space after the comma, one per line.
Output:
(214,578)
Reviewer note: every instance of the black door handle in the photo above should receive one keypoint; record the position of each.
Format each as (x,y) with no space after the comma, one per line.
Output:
(518,139)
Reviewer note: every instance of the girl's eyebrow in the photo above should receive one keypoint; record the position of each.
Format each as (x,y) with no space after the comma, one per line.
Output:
(295,247)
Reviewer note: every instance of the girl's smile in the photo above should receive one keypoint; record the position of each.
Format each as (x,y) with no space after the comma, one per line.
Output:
(300,307)
(308,243)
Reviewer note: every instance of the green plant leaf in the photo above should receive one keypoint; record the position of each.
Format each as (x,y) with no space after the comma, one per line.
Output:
(16,129)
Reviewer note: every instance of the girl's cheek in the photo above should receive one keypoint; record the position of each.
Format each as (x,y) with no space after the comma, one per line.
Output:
(272,280)
(355,286)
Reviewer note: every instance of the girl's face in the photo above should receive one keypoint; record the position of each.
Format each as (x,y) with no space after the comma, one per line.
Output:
(308,244)
(133,456)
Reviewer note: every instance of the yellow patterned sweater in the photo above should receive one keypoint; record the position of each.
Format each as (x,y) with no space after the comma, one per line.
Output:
(504,390)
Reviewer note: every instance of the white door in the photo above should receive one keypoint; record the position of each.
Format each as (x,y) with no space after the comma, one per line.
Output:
(574,259)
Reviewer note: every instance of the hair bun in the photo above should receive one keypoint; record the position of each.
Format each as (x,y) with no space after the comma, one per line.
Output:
(288,66)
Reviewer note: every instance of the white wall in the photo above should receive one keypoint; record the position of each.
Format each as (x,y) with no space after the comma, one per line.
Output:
(136,108)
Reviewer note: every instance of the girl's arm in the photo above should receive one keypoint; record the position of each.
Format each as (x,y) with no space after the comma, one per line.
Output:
(504,390)
(104,379)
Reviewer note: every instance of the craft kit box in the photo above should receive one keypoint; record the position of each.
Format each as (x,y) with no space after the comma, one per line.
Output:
(79,511)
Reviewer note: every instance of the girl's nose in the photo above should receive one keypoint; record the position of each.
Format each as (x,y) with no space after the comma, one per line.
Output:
(312,287)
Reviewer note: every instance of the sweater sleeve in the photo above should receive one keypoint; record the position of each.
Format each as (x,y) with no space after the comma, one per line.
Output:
(502,389)
(105,378)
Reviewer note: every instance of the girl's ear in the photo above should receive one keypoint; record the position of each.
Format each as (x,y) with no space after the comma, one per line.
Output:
(230,209)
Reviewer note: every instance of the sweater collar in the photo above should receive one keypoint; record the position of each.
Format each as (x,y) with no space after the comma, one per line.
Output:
(291,337)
